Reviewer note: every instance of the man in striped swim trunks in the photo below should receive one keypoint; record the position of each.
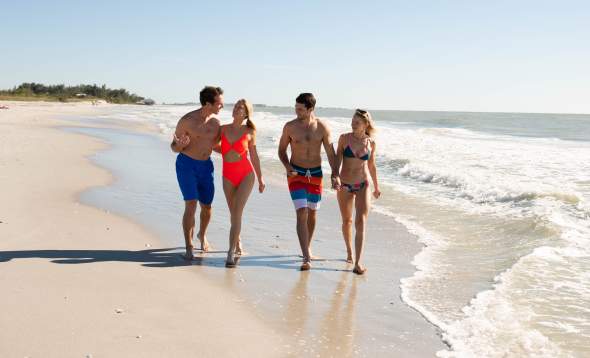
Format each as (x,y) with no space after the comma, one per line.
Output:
(306,134)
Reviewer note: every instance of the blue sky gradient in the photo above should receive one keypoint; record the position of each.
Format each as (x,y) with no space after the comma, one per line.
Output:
(525,56)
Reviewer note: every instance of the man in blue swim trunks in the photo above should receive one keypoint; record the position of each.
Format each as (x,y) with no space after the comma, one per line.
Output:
(196,134)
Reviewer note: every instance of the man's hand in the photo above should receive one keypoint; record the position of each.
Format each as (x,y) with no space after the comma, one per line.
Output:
(291,172)
(183,140)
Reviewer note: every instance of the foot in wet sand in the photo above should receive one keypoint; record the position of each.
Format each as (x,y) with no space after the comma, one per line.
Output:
(239,251)
(231,261)
(204,243)
(312,256)
(188,255)
(305,266)
(359,270)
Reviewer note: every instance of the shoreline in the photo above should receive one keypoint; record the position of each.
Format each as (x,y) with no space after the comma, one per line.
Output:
(260,256)
(84,272)
(506,234)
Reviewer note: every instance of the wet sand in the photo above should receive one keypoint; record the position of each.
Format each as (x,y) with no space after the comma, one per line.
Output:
(328,311)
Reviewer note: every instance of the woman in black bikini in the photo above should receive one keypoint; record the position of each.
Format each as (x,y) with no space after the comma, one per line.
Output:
(356,153)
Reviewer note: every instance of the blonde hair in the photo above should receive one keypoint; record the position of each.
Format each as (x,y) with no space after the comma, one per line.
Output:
(366,117)
(249,112)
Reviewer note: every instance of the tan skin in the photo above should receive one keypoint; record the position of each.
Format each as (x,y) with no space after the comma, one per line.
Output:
(306,135)
(353,171)
(195,135)
(236,197)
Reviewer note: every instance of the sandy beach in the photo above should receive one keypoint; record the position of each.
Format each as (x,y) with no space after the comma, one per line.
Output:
(79,281)
(90,262)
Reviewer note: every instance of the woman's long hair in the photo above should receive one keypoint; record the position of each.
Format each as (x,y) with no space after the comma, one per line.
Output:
(249,112)
(366,117)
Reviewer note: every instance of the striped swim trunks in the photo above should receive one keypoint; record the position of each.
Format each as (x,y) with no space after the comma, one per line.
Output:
(306,187)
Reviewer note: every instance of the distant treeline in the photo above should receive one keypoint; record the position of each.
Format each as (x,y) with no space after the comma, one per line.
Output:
(63,92)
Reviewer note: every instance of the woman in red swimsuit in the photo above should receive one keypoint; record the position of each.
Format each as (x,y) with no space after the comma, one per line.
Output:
(236,141)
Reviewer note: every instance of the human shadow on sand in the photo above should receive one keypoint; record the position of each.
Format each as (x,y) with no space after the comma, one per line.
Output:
(166,257)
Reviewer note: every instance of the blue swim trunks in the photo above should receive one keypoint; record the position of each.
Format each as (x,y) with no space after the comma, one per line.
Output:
(195,178)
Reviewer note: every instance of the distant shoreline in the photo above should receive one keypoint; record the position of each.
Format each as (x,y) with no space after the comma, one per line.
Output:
(45,99)
(31,91)
(59,100)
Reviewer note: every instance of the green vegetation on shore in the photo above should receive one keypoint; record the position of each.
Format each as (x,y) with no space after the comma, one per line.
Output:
(40,92)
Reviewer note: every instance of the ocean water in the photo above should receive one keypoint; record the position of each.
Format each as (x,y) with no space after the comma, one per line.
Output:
(501,202)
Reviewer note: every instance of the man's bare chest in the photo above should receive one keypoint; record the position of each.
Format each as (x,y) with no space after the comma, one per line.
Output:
(307,137)
(202,131)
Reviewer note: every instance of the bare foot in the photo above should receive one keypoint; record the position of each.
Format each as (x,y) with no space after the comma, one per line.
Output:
(230,262)
(349,259)
(188,255)
(239,250)
(313,257)
(359,270)
(305,266)
(204,243)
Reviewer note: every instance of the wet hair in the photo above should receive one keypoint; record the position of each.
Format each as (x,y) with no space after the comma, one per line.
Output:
(366,117)
(208,94)
(249,112)
(306,99)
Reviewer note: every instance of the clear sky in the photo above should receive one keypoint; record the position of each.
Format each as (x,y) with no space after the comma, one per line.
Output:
(526,56)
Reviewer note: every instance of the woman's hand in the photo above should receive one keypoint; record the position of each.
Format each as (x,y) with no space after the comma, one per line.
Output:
(336,184)
(376,193)
(261,185)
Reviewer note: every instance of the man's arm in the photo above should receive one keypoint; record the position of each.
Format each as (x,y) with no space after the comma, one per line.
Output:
(283,144)
(339,153)
(217,142)
(329,148)
(180,139)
